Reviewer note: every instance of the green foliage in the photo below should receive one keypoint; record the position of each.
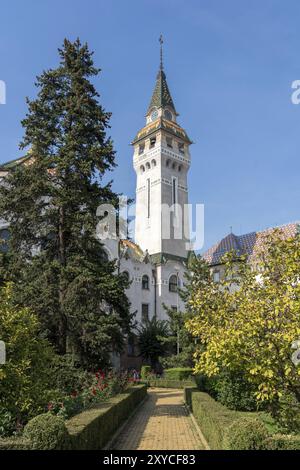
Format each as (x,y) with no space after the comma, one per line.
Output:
(145,371)
(150,339)
(7,423)
(93,428)
(52,203)
(246,434)
(248,321)
(25,379)
(231,389)
(227,429)
(179,373)
(283,442)
(45,432)
(100,387)
(213,417)
(68,378)
(179,343)
(165,383)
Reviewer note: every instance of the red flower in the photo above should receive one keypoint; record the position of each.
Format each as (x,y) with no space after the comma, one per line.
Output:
(50,406)
(94,391)
(74,394)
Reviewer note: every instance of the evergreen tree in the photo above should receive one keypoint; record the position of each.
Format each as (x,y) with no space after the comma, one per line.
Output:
(51,200)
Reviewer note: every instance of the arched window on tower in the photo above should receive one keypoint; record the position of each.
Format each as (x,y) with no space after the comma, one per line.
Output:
(173,283)
(145,282)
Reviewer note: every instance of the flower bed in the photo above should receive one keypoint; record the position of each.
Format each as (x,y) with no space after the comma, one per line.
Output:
(91,429)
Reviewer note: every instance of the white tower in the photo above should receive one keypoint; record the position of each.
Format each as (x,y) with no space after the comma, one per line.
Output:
(161,160)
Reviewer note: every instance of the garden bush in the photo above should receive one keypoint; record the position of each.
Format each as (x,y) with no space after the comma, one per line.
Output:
(230,389)
(7,423)
(25,379)
(46,431)
(246,433)
(145,371)
(178,373)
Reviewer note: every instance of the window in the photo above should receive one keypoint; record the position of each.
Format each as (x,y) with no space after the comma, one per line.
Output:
(148,197)
(179,168)
(152,142)
(174,308)
(145,282)
(217,276)
(169,142)
(141,148)
(4,237)
(148,166)
(173,283)
(153,163)
(180,147)
(142,168)
(168,163)
(145,313)
(174,190)
(168,115)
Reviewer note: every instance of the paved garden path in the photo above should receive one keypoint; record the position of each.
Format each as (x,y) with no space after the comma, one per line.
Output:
(162,423)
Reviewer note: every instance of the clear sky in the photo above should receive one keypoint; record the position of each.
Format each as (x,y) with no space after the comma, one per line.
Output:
(229,65)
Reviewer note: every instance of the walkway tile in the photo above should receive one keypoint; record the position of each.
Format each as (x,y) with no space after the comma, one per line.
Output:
(161,423)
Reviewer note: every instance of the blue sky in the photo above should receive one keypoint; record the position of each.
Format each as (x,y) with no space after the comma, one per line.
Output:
(229,64)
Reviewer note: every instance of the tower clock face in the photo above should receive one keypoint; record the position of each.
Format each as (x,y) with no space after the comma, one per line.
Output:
(154,115)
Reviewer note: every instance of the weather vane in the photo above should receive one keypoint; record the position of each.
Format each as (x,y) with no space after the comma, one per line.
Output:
(161,41)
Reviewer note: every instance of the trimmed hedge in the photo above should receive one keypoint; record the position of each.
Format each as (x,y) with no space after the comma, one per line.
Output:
(226,429)
(163,383)
(15,443)
(178,373)
(283,442)
(145,371)
(90,430)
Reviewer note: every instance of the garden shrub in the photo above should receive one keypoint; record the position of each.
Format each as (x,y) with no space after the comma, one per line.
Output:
(246,433)
(165,383)
(178,373)
(7,423)
(145,371)
(46,431)
(230,389)
(25,379)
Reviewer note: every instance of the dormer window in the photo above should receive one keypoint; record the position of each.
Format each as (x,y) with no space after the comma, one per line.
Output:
(168,115)
(141,148)
(169,142)
(181,147)
(152,142)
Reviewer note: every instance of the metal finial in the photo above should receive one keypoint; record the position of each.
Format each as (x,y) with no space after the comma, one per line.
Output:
(161,41)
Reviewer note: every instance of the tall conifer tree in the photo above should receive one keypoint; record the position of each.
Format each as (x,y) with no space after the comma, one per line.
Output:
(51,201)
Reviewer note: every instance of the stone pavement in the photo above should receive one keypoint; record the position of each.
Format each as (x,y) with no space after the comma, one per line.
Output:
(161,423)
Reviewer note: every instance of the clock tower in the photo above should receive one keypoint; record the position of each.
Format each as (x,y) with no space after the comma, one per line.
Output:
(161,161)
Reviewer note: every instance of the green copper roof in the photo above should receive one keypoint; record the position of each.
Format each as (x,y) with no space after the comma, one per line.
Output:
(161,96)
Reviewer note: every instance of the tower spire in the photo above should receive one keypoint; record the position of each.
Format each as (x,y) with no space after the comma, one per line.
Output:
(161,41)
